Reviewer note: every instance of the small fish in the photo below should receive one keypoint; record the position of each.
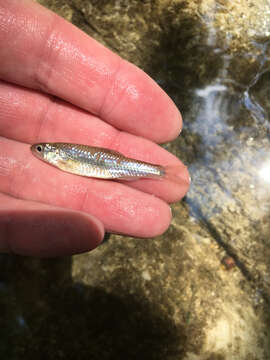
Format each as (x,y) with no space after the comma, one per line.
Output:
(101,163)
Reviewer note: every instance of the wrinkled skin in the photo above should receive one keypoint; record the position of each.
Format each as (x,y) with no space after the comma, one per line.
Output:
(58,84)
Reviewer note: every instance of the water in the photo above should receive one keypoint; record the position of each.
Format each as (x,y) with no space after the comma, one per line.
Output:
(218,74)
(230,171)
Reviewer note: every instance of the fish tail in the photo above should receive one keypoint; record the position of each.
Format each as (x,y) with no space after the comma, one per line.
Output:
(177,174)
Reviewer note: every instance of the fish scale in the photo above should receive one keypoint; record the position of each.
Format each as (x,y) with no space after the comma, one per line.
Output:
(95,162)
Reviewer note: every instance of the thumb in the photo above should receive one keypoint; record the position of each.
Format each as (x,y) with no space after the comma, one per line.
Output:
(36,229)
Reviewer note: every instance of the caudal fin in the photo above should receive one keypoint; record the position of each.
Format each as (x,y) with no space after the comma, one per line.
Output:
(177,174)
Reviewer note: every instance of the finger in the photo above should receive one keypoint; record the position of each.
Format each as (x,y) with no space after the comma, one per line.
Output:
(120,208)
(42,51)
(55,120)
(32,228)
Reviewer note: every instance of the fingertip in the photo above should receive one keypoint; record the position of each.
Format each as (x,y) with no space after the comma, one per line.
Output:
(180,187)
(175,120)
(90,229)
(138,105)
(166,118)
(159,219)
(177,123)
(46,231)
(70,232)
(164,224)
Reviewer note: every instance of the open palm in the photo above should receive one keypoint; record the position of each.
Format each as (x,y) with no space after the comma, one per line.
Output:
(58,84)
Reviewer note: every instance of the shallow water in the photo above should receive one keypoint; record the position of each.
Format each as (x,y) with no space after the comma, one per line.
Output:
(220,80)
(228,116)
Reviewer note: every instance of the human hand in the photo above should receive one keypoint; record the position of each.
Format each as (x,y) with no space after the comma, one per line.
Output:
(58,84)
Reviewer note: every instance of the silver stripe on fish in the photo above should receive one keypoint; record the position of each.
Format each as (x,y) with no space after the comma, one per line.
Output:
(95,162)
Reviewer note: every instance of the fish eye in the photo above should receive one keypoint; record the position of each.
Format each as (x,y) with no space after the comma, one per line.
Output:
(39,148)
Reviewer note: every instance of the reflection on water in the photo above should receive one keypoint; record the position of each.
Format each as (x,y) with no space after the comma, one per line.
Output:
(234,129)
(264,172)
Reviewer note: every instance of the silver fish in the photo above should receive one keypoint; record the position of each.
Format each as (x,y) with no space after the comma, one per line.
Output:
(96,162)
